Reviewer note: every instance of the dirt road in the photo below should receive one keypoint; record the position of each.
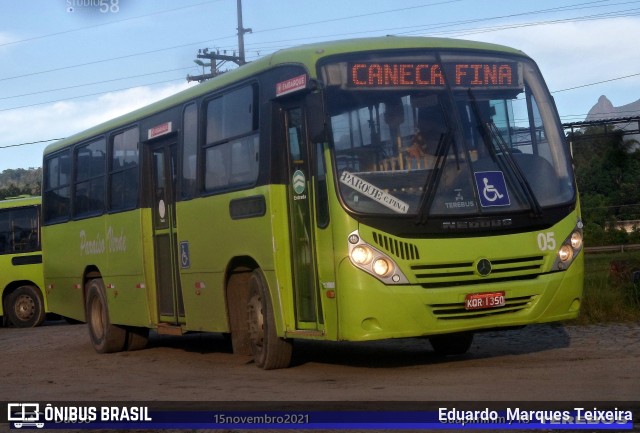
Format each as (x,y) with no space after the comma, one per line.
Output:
(540,363)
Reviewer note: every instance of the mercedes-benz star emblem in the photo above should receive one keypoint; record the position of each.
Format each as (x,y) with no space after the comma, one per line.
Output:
(484,267)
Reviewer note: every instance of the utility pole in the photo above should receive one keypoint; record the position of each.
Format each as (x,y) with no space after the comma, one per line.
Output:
(241,32)
(217,59)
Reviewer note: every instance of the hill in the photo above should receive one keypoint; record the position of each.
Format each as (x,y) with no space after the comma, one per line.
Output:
(604,109)
(19,181)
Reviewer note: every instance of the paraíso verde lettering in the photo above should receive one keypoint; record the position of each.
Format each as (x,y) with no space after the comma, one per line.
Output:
(99,244)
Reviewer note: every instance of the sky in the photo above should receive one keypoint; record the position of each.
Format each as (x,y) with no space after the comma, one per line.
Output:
(67,65)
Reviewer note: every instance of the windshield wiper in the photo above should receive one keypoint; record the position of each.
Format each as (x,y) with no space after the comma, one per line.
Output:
(515,168)
(444,144)
(491,135)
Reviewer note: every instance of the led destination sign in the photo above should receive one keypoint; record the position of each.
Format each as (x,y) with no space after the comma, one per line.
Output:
(401,74)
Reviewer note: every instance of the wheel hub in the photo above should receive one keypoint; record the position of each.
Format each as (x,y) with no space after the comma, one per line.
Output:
(24,307)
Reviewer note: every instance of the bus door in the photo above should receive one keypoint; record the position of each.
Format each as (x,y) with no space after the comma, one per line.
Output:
(164,164)
(301,219)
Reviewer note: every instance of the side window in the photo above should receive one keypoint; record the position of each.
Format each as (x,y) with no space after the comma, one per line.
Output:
(232,143)
(57,191)
(26,236)
(189,151)
(123,175)
(19,231)
(232,164)
(6,234)
(230,115)
(89,193)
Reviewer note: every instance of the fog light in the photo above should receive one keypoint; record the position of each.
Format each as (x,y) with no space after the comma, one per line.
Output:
(382,267)
(361,255)
(566,253)
(576,240)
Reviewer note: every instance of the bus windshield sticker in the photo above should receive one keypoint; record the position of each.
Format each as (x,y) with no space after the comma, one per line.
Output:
(373,192)
(291,85)
(486,75)
(459,201)
(492,188)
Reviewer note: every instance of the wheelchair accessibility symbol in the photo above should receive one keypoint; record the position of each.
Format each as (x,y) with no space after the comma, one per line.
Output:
(185,256)
(492,188)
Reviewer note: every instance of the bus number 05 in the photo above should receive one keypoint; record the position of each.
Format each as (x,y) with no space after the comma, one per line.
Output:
(546,241)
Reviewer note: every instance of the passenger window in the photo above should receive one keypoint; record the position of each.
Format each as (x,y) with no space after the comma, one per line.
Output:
(189,151)
(57,191)
(231,115)
(19,231)
(124,176)
(89,196)
(232,145)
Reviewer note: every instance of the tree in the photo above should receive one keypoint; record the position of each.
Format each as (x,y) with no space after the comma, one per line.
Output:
(607,170)
(14,182)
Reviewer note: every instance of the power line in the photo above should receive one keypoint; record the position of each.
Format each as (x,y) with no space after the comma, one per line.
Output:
(356,16)
(91,94)
(416,29)
(102,61)
(598,82)
(104,24)
(585,5)
(94,83)
(32,142)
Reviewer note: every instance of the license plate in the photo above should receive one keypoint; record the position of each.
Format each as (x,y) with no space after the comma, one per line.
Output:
(481,301)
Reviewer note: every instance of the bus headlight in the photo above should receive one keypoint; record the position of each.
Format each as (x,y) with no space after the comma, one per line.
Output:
(576,240)
(569,249)
(382,267)
(565,253)
(361,255)
(374,261)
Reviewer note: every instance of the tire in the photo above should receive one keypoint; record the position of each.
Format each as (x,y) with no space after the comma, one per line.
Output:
(25,307)
(269,351)
(137,338)
(105,337)
(452,344)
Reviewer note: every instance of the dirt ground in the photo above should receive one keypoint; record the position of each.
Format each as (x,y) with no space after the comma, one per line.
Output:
(541,363)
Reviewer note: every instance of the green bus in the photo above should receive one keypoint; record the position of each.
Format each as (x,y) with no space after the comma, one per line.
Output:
(355,190)
(24,304)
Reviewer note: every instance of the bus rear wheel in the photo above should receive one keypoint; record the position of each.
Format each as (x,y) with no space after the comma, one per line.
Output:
(105,337)
(137,337)
(269,350)
(25,307)
(452,344)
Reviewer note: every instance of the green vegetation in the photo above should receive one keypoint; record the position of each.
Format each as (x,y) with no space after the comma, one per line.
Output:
(15,182)
(607,173)
(609,293)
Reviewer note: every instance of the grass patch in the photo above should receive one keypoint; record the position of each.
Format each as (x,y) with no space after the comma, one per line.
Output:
(609,293)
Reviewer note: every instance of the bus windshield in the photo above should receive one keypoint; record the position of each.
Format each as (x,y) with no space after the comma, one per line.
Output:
(445,135)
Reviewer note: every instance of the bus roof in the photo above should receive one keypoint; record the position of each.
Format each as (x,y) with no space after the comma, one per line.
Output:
(22,200)
(306,55)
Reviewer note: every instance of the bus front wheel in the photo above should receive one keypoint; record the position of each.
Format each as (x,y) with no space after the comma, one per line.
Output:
(269,350)
(105,337)
(25,307)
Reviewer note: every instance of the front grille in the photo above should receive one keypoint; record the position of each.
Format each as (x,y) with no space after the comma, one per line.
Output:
(457,310)
(465,273)
(400,249)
